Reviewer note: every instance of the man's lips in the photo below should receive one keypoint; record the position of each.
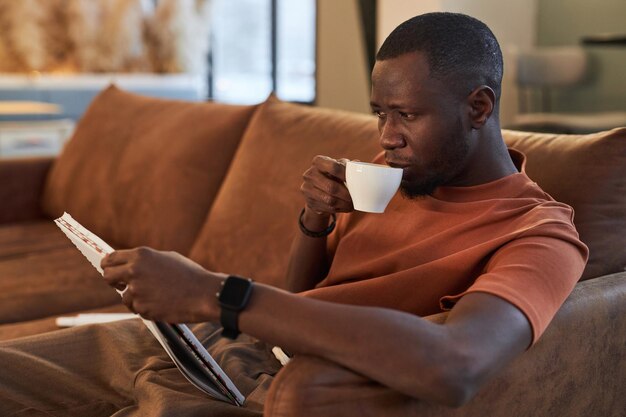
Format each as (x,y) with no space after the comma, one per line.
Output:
(397,164)
(407,172)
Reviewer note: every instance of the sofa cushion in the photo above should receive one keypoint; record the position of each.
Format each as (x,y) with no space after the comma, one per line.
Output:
(54,281)
(19,239)
(144,171)
(588,172)
(47,324)
(22,181)
(251,225)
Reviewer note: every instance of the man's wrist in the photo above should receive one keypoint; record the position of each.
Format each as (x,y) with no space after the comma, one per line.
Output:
(315,221)
(212,307)
(233,297)
(313,233)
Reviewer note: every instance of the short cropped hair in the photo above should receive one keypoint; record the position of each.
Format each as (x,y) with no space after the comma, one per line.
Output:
(459,48)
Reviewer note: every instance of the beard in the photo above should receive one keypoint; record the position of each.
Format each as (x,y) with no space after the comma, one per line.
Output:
(418,189)
(445,166)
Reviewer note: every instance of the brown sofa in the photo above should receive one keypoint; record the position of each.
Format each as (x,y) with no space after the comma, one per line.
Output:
(220,184)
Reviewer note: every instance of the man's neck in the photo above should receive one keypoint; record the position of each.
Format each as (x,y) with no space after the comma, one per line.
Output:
(489,159)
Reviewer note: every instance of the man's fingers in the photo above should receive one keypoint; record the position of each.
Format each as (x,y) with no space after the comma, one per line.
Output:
(127,299)
(333,194)
(329,188)
(319,195)
(330,185)
(324,203)
(117,276)
(330,167)
(119,257)
(323,186)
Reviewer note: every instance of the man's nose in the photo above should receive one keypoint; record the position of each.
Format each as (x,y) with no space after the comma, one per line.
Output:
(390,135)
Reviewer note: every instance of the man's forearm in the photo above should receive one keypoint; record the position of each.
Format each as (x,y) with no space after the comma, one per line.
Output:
(308,259)
(440,363)
(386,346)
(443,363)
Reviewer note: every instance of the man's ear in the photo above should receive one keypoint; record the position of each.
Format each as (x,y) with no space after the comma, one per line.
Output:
(482,102)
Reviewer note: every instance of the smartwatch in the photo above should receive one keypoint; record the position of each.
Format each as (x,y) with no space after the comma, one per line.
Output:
(233,298)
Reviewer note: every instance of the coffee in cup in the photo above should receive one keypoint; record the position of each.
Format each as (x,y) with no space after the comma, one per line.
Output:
(371,186)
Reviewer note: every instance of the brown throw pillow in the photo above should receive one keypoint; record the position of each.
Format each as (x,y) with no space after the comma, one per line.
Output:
(144,171)
(588,172)
(254,218)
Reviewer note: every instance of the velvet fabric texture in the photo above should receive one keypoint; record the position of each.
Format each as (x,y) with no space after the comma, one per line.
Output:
(144,171)
(21,185)
(121,370)
(254,218)
(47,324)
(587,172)
(49,282)
(30,238)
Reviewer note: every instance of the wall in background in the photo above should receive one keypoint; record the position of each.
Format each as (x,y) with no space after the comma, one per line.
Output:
(565,22)
(342,74)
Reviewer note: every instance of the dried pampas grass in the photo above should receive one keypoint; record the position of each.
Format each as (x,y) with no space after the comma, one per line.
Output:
(24,40)
(8,61)
(178,35)
(83,18)
(104,35)
(107,34)
(58,44)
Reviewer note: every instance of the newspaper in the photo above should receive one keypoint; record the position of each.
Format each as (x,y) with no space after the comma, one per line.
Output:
(186,351)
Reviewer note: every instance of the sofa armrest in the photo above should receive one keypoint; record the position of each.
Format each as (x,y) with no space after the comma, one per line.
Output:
(21,185)
(576,368)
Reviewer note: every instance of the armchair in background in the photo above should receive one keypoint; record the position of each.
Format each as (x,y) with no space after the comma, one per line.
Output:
(540,72)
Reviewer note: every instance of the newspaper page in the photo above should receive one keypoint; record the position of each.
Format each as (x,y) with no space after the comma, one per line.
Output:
(185,350)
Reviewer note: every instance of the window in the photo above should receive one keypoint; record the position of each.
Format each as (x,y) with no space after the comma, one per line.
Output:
(260,46)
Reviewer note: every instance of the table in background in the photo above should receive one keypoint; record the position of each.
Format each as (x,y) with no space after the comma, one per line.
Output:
(31,138)
(606,39)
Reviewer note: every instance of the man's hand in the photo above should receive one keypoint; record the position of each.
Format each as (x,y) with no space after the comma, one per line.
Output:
(324,193)
(163,286)
(323,187)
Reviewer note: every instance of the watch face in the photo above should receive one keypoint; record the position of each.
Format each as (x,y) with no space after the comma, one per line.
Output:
(234,292)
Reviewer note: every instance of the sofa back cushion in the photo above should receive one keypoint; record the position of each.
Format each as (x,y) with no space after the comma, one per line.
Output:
(588,172)
(252,223)
(144,171)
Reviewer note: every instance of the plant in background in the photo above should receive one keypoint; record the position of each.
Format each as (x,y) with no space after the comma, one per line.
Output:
(162,36)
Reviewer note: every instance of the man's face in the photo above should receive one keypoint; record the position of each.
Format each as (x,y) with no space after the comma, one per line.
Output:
(421,124)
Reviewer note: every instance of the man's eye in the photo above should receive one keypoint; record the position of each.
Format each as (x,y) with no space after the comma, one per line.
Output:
(407,116)
(379,114)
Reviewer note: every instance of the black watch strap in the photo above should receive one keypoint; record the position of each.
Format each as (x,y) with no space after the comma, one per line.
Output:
(233,298)
(230,323)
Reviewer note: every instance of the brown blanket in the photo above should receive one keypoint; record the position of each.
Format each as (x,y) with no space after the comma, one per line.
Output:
(119,369)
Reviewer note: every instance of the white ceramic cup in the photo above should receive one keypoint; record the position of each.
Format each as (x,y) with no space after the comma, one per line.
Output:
(371,186)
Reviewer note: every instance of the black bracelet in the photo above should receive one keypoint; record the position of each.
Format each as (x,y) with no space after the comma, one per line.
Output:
(323,233)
